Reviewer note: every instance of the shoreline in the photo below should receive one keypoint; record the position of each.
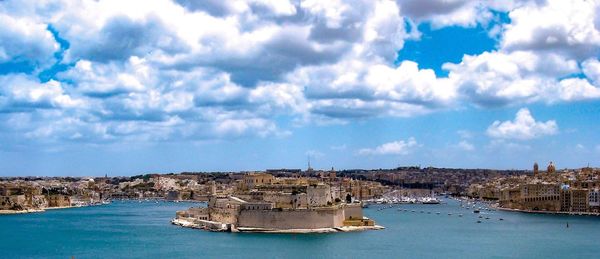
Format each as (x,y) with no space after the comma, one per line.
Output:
(13,212)
(569,213)
(187,224)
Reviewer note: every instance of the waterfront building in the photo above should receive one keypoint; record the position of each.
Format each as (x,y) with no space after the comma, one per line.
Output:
(540,196)
(594,200)
(253,180)
(579,200)
(570,191)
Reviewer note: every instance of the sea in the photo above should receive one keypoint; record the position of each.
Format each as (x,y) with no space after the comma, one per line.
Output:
(132,229)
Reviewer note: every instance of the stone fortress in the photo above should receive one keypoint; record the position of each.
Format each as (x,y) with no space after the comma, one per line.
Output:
(264,203)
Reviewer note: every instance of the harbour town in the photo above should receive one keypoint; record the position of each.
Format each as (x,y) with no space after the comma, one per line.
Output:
(566,191)
(293,192)
(185,209)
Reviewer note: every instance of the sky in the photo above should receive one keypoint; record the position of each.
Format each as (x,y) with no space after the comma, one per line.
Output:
(156,86)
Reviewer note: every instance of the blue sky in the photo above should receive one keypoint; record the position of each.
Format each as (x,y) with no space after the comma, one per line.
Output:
(103,87)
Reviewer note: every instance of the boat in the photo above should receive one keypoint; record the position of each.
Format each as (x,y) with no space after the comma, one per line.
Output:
(429,200)
(476,211)
(479,221)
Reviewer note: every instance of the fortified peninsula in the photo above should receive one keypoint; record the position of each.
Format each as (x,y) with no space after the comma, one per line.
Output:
(264,203)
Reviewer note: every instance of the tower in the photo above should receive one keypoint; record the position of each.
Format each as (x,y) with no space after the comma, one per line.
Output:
(213,188)
(536,168)
(551,168)
(309,170)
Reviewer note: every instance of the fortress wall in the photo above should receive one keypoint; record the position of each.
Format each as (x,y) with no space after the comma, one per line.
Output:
(287,200)
(223,215)
(353,211)
(292,219)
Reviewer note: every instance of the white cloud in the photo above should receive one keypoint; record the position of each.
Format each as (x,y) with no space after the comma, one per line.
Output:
(187,70)
(400,147)
(574,89)
(465,145)
(499,79)
(524,127)
(442,13)
(20,92)
(540,50)
(591,69)
(26,40)
(353,88)
(566,27)
(238,127)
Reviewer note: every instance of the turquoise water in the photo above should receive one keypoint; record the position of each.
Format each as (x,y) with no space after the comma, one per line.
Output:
(142,230)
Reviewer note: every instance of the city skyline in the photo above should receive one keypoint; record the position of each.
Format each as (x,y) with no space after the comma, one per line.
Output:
(102,87)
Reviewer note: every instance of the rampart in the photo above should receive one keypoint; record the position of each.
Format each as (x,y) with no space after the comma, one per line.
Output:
(292,219)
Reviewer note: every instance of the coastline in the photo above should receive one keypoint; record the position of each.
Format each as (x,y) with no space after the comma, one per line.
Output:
(189,224)
(12,212)
(595,214)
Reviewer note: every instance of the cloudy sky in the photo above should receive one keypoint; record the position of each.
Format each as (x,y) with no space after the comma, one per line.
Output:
(127,87)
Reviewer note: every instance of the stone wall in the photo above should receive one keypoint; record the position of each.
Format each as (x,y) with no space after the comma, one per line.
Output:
(286,200)
(197,213)
(318,195)
(59,200)
(353,211)
(224,215)
(292,219)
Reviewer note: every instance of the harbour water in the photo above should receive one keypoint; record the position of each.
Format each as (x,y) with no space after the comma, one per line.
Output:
(142,230)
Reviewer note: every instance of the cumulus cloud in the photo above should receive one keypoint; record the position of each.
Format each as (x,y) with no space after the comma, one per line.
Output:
(544,45)
(524,127)
(220,69)
(499,79)
(26,40)
(566,27)
(591,69)
(400,147)
(443,13)
(20,92)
